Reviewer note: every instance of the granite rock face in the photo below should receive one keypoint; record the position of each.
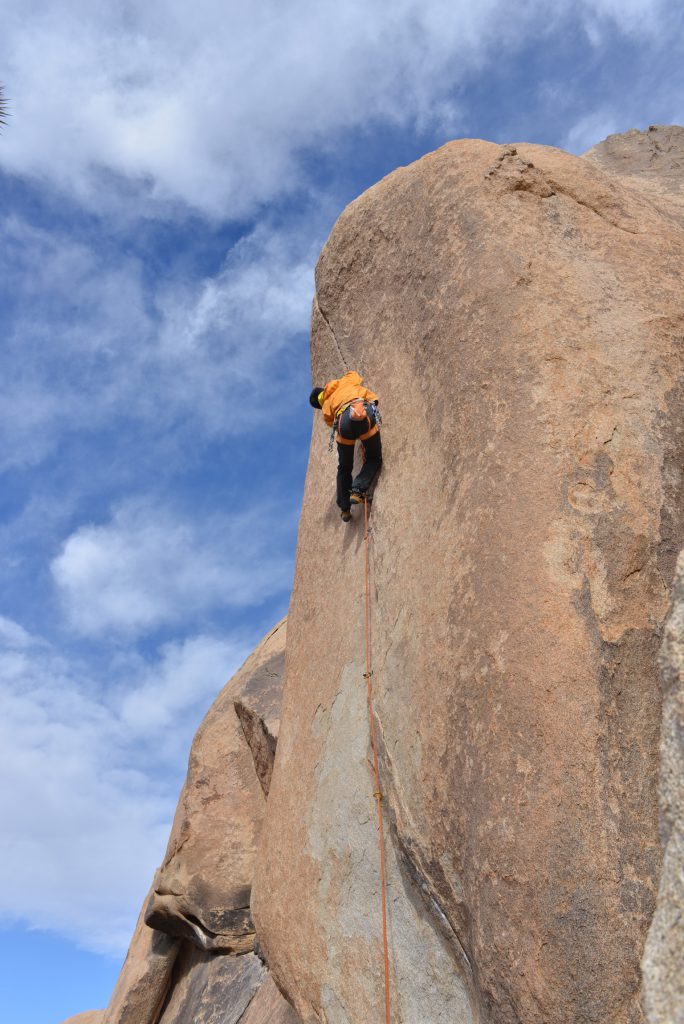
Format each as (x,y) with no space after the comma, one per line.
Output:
(663,965)
(212,989)
(520,311)
(652,161)
(269,1007)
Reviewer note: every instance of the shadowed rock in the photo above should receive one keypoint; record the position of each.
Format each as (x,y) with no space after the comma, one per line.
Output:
(269,1007)
(211,989)
(261,742)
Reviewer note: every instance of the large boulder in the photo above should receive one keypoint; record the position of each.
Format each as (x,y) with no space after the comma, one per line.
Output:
(191,959)
(520,312)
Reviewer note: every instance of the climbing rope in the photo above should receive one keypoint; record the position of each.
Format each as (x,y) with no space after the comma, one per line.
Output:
(378,792)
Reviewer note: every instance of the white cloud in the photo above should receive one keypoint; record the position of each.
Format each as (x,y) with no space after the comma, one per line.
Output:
(91,777)
(186,675)
(12,635)
(211,104)
(642,18)
(592,129)
(91,340)
(148,567)
(227,339)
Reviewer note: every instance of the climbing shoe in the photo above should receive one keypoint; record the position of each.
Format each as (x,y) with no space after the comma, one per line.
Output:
(346,515)
(357,498)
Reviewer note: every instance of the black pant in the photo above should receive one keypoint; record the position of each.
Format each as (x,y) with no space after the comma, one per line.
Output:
(372,448)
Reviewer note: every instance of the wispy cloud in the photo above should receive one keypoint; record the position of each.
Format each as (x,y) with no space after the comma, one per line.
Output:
(590,129)
(89,341)
(148,567)
(211,105)
(226,340)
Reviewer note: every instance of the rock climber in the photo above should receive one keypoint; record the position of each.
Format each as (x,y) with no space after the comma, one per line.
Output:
(351,411)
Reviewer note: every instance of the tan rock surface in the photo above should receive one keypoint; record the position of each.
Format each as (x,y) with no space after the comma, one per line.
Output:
(520,312)
(653,159)
(663,965)
(269,1007)
(202,890)
(89,1017)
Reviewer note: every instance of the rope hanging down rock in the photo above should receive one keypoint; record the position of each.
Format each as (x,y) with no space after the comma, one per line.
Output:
(378,792)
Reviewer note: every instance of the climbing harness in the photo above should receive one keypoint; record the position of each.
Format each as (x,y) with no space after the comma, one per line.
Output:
(376,771)
(358,411)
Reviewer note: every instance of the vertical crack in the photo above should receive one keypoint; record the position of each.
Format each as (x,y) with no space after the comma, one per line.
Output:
(334,336)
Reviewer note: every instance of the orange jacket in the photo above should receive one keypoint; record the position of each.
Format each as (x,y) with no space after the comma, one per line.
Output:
(337,393)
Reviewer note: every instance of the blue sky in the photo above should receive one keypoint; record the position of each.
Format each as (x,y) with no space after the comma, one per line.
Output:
(168,176)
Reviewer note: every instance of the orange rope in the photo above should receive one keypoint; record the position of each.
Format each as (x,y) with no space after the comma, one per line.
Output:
(377,794)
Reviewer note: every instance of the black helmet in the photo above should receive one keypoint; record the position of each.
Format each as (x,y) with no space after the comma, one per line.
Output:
(313,398)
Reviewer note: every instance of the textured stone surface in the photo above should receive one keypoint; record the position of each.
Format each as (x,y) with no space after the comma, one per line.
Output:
(520,312)
(210,988)
(89,1017)
(663,965)
(269,1007)
(653,159)
(202,890)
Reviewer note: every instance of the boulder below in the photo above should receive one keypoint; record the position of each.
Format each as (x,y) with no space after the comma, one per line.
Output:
(191,959)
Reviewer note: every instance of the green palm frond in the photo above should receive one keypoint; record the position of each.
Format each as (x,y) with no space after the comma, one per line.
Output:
(4,106)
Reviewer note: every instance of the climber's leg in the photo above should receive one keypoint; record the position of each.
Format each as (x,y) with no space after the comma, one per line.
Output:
(373,459)
(345,465)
